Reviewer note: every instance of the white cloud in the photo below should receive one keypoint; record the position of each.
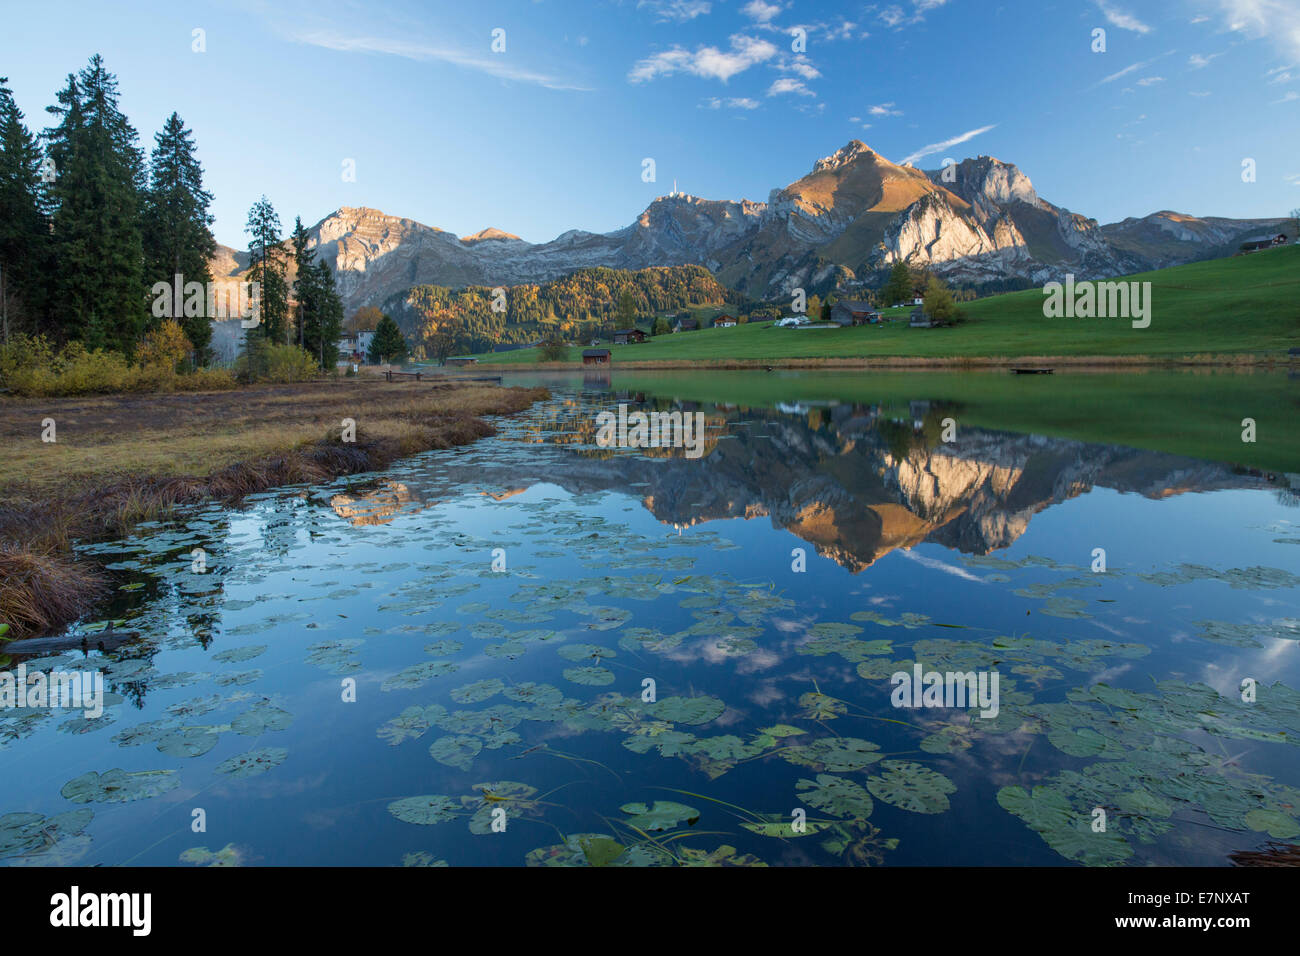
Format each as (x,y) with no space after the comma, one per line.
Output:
(892,16)
(940,147)
(1150,80)
(761,12)
(1124,72)
(1279,20)
(1291,97)
(497,66)
(1197,62)
(800,65)
(678,10)
(706,61)
(788,84)
(734,102)
(1121,18)
(1198,92)
(884,109)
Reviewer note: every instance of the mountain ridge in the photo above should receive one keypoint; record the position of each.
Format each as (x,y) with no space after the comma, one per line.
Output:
(852,216)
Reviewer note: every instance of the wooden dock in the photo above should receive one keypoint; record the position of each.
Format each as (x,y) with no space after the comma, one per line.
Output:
(1032,371)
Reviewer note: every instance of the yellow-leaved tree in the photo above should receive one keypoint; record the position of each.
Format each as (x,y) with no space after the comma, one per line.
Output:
(166,346)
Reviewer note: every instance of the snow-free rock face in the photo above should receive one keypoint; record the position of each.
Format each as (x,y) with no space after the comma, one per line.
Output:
(853,214)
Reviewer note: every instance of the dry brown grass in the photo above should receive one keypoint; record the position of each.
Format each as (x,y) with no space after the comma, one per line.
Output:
(120,460)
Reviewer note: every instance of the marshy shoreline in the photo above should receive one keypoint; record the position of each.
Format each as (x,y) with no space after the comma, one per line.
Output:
(119,460)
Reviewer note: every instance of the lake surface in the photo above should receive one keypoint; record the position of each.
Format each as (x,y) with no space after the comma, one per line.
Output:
(538,650)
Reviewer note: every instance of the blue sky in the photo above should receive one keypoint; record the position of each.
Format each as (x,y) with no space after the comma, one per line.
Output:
(551,133)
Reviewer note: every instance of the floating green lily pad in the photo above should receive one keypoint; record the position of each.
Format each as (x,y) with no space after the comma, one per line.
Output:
(254,762)
(424,810)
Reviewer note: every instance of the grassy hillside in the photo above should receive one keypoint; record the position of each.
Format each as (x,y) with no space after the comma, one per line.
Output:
(1245,304)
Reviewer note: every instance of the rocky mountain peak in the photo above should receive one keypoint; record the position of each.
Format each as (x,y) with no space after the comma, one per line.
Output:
(849,153)
(491,232)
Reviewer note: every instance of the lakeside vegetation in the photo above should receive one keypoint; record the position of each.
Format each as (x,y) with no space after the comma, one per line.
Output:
(1227,307)
(120,460)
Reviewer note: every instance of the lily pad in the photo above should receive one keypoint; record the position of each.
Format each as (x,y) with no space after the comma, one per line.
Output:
(662,815)
(119,786)
(837,796)
(424,810)
(254,762)
(911,786)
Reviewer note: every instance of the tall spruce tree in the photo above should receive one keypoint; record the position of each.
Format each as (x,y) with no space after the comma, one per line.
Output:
(268,269)
(24,230)
(302,260)
(178,237)
(899,286)
(99,178)
(319,312)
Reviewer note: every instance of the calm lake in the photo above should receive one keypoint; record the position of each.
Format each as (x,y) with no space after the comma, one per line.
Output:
(538,650)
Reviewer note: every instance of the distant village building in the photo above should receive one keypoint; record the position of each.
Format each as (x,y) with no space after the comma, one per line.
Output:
(628,336)
(724,322)
(851,312)
(356,345)
(1257,244)
(595,356)
(686,325)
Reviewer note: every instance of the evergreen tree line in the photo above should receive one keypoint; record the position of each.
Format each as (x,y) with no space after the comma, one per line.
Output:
(88,227)
(585,302)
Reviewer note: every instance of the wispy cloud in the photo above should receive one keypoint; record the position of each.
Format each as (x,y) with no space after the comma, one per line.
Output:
(896,15)
(497,66)
(1278,20)
(733,102)
(1198,62)
(679,11)
(1121,18)
(705,61)
(884,109)
(1291,97)
(801,65)
(1150,80)
(1129,69)
(940,147)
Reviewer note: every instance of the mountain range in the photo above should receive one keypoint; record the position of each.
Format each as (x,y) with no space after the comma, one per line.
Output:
(853,215)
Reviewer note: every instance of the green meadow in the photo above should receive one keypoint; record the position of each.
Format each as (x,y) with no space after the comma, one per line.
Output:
(1240,306)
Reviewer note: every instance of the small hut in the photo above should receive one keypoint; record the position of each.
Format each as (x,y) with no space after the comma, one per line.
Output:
(595,356)
(847,312)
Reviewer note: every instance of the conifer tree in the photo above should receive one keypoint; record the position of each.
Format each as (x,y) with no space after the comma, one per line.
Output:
(177,226)
(320,310)
(24,231)
(98,167)
(388,343)
(268,269)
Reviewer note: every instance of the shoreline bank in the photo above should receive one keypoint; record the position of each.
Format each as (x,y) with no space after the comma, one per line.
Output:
(107,487)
